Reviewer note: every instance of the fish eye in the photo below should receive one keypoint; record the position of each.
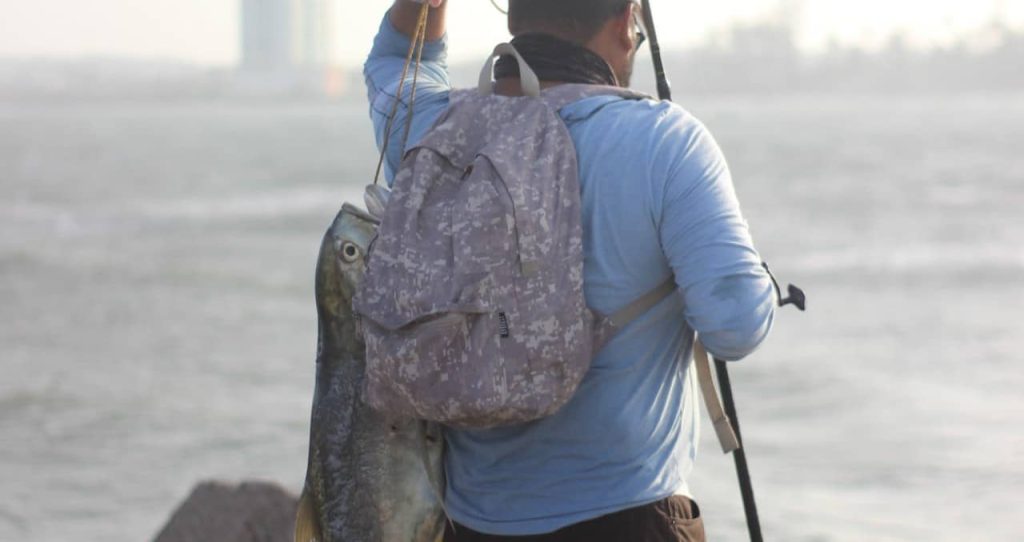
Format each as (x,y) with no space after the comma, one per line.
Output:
(349,252)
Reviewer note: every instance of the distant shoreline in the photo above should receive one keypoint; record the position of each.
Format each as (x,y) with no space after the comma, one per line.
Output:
(755,60)
(682,96)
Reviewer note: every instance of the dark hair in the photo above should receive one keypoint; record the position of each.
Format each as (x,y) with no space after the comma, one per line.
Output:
(575,20)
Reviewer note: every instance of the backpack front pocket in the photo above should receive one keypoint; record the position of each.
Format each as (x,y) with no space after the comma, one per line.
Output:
(430,369)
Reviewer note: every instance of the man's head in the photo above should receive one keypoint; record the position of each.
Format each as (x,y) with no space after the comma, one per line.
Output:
(606,27)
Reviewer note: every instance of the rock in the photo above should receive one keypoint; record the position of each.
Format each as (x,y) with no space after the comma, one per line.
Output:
(221,512)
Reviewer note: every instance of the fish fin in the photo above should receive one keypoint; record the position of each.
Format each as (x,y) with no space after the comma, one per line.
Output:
(307,528)
(436,482)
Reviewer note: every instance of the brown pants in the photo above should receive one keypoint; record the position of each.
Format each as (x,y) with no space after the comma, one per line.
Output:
(675,519)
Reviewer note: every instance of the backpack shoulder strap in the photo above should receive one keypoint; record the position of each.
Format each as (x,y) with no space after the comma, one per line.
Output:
(644,303)
(723,427)
(560,96)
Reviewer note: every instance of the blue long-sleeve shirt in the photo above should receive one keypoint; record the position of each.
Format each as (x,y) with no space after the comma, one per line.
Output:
(658,201)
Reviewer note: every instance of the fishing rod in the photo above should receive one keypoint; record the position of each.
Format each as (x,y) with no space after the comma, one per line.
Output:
(796,297)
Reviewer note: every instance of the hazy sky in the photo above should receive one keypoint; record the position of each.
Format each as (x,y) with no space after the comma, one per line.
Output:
(206,31)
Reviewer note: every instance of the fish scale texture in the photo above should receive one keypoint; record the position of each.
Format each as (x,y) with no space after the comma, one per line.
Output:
(370,477)
(472,304)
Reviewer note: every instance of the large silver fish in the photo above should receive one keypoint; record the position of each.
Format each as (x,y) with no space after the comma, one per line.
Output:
(369,478)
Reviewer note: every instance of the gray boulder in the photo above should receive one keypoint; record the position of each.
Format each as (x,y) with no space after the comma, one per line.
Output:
(221,512)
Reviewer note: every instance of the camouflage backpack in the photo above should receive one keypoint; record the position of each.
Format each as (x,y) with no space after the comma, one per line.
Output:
(472,304)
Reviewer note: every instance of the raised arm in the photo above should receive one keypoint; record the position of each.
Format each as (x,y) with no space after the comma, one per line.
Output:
(383,71)
(405,13)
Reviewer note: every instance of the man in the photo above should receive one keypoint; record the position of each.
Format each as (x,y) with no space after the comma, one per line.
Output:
(658,202)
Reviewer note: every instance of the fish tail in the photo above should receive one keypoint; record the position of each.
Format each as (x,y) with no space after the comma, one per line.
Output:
(307,528)
(436,479)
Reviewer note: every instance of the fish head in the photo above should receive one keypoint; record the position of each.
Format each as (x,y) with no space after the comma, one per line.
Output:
(343,261)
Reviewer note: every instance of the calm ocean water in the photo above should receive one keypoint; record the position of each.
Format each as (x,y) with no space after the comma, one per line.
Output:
(157,324)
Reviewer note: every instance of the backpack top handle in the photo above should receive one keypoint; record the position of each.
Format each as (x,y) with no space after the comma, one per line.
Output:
(530,82)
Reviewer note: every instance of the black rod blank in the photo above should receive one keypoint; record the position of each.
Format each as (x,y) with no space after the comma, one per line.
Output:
(740,455)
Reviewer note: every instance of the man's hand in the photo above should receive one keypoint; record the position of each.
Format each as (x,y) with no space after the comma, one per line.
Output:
(405,14)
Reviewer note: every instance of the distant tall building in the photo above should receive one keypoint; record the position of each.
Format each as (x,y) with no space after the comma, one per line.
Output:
(266,34)
(286,34)
(312,32)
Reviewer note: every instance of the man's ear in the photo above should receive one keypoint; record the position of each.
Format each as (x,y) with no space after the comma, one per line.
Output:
(622,27)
